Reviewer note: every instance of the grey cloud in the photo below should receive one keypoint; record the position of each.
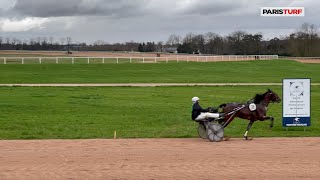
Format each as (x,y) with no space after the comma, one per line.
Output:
(209,7)
(133,8)
(58,8)
(148,20)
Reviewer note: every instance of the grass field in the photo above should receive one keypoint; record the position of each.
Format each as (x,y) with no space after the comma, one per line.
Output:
(144,112)
(218,72)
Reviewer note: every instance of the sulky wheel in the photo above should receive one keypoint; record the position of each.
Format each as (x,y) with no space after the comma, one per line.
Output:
(202,131)
(215,132)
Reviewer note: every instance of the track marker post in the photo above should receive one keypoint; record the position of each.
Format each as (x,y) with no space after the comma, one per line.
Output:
(296,103)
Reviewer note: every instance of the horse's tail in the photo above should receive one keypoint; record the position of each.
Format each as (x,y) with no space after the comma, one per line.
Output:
(222,105)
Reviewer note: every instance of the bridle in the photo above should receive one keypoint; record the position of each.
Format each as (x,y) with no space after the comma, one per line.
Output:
(271,101)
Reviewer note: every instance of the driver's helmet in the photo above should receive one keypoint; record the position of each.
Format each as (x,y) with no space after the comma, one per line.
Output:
(195,99)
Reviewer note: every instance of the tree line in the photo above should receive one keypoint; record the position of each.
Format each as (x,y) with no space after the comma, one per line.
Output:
(304,42)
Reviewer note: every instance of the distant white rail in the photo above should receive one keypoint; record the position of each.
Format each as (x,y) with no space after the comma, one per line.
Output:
(103,60)
(299,58)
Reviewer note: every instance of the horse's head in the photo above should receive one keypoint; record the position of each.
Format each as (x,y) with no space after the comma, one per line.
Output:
(266,97)
(273,97)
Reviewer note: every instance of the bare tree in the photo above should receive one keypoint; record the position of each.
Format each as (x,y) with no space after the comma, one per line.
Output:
(214,43)
(160,46)
(192,44)
(99,43)
(7,40)
(14,41)
(51,39)
(69,41)
(44,41)
(38,40)
(305,41)
(174,40)
(274,46)
(235,41)
(251,43)
(62,40)
(310,37)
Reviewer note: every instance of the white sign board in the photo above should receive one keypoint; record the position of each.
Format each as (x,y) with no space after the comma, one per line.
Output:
(296,102)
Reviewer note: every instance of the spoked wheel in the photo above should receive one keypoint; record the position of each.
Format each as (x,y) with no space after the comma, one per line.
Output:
(215,132)
(202,132)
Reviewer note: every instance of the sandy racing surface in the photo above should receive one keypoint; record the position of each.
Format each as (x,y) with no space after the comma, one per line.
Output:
(309,61)
(261,158)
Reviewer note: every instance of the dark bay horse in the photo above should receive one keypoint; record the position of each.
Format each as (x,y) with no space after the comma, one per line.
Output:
(241,110)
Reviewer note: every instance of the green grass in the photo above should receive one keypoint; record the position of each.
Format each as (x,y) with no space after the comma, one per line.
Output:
(33,55)
(134,112)
(216,72)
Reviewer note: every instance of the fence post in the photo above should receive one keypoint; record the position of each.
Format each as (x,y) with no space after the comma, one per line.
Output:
(206,58)
(142,59)
(197,58)
(88,60)
(130,59)
(39,60)
(187,58)
(155,59)
(177,58)
(72,60)
(22,60)
(4,60)
(117,59)
(57,60)
(167,59)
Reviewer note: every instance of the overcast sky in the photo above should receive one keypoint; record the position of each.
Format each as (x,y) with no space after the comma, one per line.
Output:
(146,20)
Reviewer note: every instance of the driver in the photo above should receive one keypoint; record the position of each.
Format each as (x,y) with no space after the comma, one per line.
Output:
(199,114)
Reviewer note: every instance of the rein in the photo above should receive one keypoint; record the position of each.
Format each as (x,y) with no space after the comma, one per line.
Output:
(232,113)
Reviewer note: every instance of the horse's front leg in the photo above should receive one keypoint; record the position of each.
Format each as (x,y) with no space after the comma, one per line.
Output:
(248,128)
(267,118)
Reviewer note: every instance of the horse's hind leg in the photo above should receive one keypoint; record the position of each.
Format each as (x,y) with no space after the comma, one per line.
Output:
(248,128)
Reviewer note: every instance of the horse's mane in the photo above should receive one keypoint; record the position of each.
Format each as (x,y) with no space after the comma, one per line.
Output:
(258,98)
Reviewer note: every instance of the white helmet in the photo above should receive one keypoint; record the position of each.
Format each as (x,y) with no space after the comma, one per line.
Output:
(195,99)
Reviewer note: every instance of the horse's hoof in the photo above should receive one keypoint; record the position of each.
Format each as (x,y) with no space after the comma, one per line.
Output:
(227,138)
(246,138)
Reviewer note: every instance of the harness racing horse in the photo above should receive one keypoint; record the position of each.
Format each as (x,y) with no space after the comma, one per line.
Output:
(253,111)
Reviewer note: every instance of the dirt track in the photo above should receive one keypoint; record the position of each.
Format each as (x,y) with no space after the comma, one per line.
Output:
(261,158)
